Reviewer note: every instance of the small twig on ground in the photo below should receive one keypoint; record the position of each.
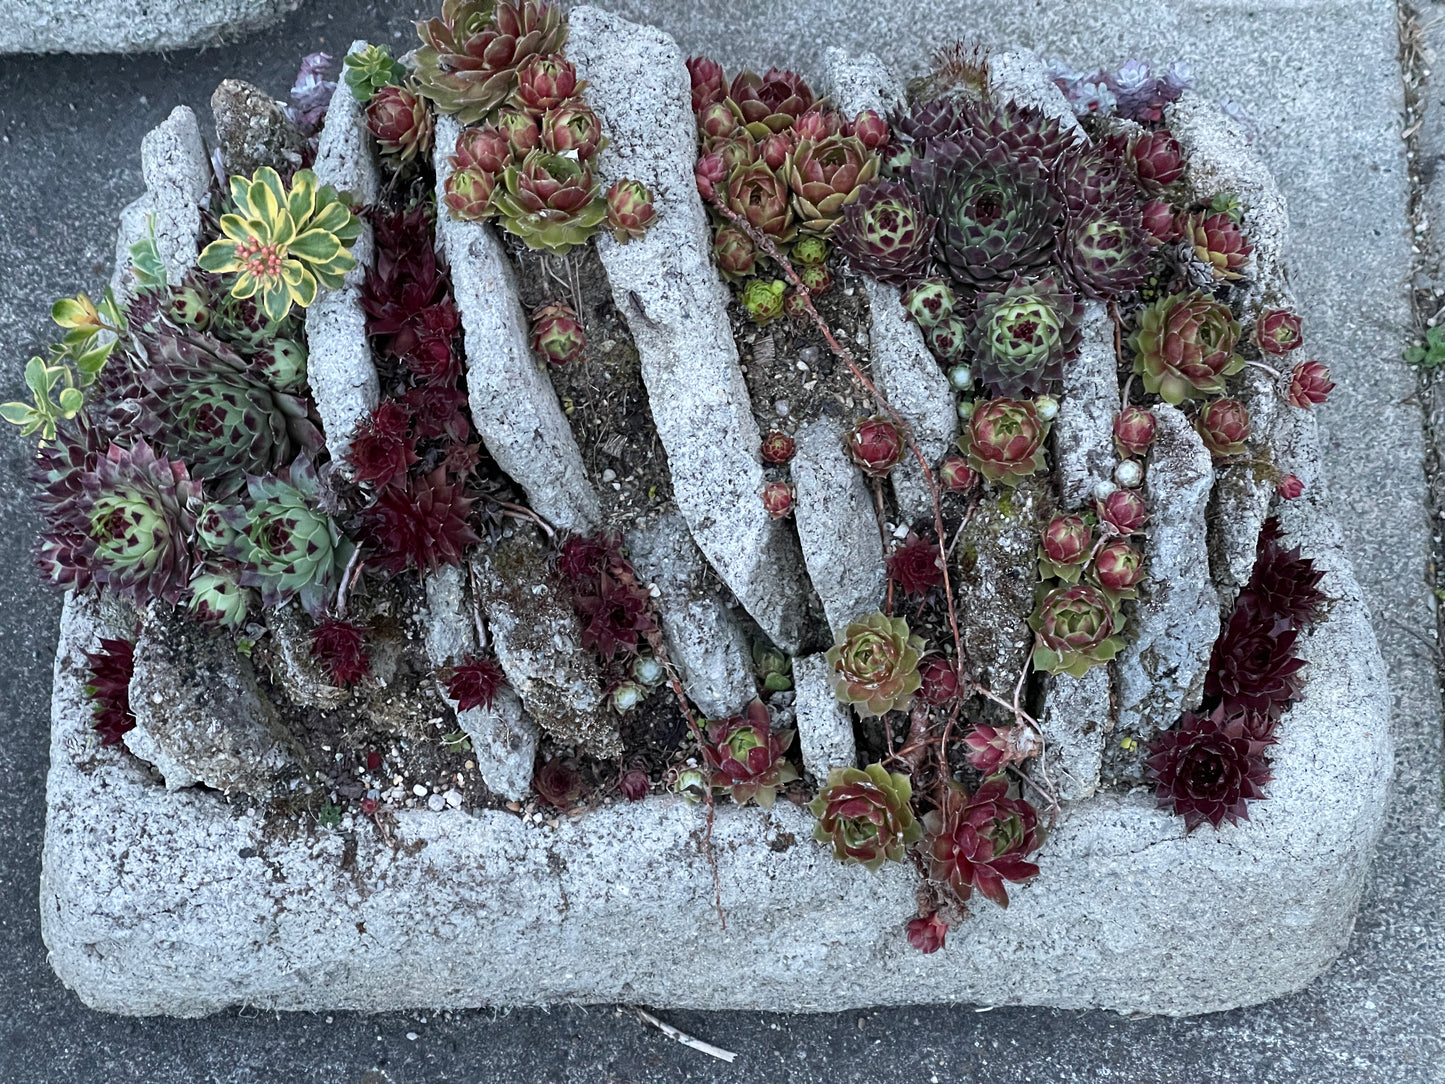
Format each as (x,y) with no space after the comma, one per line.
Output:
(1265,368)
(684,1038)
(522,512)
(477,607)
(353,569)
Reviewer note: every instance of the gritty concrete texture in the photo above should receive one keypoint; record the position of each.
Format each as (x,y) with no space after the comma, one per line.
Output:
(504,743)
(825,725)
(200,716)
(1375,1016)
(305,680)
(538,642)
(704,640)
(1173,624)
(130,26)
(339,366)
(837,525)
(252,130)
(447,625)
(156,902)
(668,291)
(1083,433)
(178,179)
(514,406)
(1077,719)
(903,369)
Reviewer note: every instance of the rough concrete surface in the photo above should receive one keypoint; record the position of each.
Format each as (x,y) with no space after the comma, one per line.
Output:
(130,26)
(68,133)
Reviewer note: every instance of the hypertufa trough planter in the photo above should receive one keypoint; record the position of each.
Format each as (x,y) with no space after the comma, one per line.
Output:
(159,896)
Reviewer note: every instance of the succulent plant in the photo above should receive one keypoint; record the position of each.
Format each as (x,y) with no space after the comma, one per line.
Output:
(716,121)
(886,233)
(558,783)
(615,612)
(1283,583)
(747,757)
(773,667)
(544,82)
(584,557)
(557,333)
(709,84)
(1019,131)
(1309,384)
(400,122)
(1122,512)
(523,132)
(916,565)
(282,364)
(571,128)
(423,523)
(629,210)
(634,785)
(1254,666)
(107,684)
(1223,425)
(1067,544)
(734,253)
(217,598)
(1184,346)
(956,475)
(779,499)
(980,841)
(810,250)
(1005,440)
(948,340)
(474,683)
(1134,430)
(1208,768)
(1156,159)
(991,749)
(927,933)
(1290,487)
(469,61)
(778,447)
(875,445)
(874,664)
(1075,628)
(282,245)
(770,102)
(407,298)
(1217,241)
(550,201)
(930,302)
(436,411)
(1092,177)
(870,128)
(1160,223)
(381,448)
(1118,570)
(816,278)
(371,69)
(204,404)
(1278,331)
(866,816)
(825,175)
(760,196)
(340,646)
(1104,252)
(940,680)
(764,300)
(1022,336)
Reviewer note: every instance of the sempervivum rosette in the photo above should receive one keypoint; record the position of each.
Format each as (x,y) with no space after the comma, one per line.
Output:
(1184,346)
(1207,767)
(865,815)
(981,841)
(1104,249)
(886,234)
(768,103)
(1005,440)
(1075,628)
(1025,132)
(550,201)
(1022,336)
(1219,242)
(401,123)
(874,664)
(1254,666)
(824,176)
(747,757)
(423,523)
(760,196)
(470,57)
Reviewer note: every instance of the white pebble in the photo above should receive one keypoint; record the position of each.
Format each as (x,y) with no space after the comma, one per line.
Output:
(436,803)
(609,474)
(419,790)
(781,406)
(454,798)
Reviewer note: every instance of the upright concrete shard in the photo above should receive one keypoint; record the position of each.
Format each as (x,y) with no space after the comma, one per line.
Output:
(825,724)
(1076,721)
(514,406)
(125,26)
(339,365)
(837,525)
(667,289)
(704,640)
(178,180)
(1175,621)
(1083,433)
(904,371)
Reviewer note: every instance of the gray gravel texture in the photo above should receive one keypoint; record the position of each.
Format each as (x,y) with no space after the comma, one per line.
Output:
(68,131)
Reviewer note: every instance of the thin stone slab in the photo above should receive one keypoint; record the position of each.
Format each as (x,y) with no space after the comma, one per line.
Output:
(1076,721)
(825,724)
(124,26)
(1083,433)
(339,365)
(178,179)
(668,291)
(514,406)
(837,525)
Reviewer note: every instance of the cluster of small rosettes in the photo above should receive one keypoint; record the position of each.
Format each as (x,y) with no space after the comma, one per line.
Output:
(107,683)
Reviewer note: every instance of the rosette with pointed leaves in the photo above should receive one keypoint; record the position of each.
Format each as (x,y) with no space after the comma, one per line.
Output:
(285,544)
(760,196)
(998,214)
(956,475)
(204,404)
(1075,628)
(826,175)
(875,445)
(122,520)
(1217,241)
(217,598)
(615,611)
(1092,177)
(1067,543)
(940,680)
(979,841)
(1118,570)
(709,84)
(1284,583)
(550,201)
(1022,336)
(282,364)
(1278,331)
(1005,440)
(874,664)
(886,234)
(544,82)
(557,333)
(483,150)
(930,303)
(1104,252)
(927,932)
(734,253)
(1254,667)
(1223,425)
(468,194)
(474,683)
(283,245)
(558,783)
(629,210)
(1184,346)
(1208,768)
(1309,385)
(1122,512)
(381,449)
(1156,159)
(777,447)
(469,62)
(369,70)
(747,757)
(1134,430)
(400,122)
(1024,132)
(764,300)
(107,684)
(423,523)
(407,297)
(770,102)
(1160,224)
(916,565)
(779,499)
(340,646)
(866,816)
(991,749)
